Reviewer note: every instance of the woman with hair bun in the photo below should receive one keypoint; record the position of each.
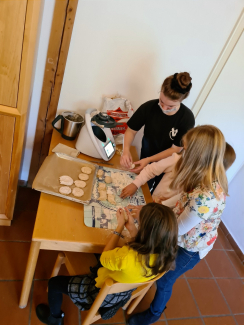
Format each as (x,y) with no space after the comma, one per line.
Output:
(166,120)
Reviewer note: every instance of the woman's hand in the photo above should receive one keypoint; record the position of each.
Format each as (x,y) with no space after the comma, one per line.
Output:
(130,224)
(141,164)
(136,209)
(126,159)
(129,190)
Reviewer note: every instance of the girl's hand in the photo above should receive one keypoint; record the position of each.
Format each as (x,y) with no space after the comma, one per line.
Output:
(136,209)
(130,224)
(120,214)
(142,163)
(128,191)
(126,159)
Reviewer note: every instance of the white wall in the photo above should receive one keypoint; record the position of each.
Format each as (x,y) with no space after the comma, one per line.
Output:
(233,216)
(224,106)
(131,46)
(37,86)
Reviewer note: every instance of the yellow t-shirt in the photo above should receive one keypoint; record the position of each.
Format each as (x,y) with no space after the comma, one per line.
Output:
(123,265)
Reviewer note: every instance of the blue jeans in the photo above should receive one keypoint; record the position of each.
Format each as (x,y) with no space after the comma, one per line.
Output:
(185,261)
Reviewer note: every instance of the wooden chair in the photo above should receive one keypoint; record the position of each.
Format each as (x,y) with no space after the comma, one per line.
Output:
(79,263)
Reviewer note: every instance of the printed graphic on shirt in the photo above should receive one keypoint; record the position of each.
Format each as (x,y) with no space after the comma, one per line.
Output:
(173,133)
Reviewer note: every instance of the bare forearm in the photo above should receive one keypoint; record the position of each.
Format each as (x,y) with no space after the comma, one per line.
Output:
(164,154)
(128,139)
(114,239)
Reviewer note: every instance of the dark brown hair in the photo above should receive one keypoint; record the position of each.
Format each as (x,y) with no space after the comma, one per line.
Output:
(157,234)
(183,79)
(229,156)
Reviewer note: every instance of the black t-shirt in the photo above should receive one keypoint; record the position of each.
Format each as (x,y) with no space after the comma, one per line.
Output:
(161,131)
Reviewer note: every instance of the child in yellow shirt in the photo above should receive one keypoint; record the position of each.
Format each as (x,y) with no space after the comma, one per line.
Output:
(151,251)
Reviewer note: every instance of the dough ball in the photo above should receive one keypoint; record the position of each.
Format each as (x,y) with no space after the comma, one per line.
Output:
(101,186)
(108,179)
(83,177)
(80,184)
(132,166)
(66,180)
(77,192)
(100,173)
(86,170)
(111,199)
(103,196)
(65,190)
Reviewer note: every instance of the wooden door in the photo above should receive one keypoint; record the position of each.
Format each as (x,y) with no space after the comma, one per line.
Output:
(12,23)
(6,143)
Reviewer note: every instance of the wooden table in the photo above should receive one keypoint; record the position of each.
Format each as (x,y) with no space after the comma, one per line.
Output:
(60,224)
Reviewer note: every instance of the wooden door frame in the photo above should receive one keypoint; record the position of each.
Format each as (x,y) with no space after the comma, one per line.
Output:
(61,31)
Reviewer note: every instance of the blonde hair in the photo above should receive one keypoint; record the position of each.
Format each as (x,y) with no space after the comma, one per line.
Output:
(202,161)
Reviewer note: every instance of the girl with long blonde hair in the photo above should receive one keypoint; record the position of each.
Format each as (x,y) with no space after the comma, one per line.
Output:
(200,174)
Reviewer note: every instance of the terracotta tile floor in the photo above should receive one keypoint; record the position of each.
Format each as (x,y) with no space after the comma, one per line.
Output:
(211,294)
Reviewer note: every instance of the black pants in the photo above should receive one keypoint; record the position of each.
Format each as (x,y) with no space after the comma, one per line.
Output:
(56,287)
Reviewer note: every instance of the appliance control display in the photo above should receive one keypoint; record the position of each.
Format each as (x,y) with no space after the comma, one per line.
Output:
(109,149)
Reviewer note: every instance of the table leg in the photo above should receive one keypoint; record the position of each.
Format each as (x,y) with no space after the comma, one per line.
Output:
(29,273)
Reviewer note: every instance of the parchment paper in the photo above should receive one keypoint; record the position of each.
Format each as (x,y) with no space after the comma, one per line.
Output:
(58,164)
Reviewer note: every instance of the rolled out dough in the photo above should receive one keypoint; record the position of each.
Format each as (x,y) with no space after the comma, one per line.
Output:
(83,177)
(65,190)
(66,180)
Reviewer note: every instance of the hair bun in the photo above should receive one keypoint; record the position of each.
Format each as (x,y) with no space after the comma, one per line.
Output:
(184,79)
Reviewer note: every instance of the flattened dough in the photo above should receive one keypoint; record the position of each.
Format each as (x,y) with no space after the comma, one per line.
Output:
(111,199)
(108,179)
(101,186)
(65,190)
(83,177)
(100,173)
(77,192)
(66,180)
(86,170)
(81,184)
(103,195)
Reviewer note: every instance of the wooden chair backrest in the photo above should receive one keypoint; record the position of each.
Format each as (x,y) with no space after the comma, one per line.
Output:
(116,287)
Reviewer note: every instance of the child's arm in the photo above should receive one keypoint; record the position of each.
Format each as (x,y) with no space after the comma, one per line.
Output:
(114,239)
(162,155)
(149,172)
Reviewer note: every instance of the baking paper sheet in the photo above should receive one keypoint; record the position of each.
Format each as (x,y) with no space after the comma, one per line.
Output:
(58,164)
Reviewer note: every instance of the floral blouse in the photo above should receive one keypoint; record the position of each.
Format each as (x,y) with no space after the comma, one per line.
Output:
(199,214)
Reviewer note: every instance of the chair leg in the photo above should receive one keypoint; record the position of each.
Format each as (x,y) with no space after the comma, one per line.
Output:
(59,261)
